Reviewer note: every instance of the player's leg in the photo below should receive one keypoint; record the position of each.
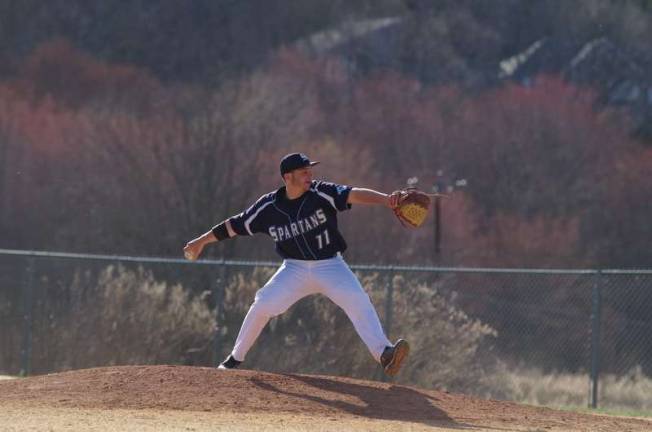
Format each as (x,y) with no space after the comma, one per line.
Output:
(337,282)
(288,285)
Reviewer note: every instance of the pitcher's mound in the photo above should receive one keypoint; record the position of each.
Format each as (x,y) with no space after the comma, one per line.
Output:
(322,398)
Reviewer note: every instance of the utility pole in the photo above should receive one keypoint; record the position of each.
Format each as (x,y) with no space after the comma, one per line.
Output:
(442,185)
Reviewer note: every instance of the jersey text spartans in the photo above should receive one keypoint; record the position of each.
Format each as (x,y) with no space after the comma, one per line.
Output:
(304,228)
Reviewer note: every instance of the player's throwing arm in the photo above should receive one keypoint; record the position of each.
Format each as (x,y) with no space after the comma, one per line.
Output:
(194,248)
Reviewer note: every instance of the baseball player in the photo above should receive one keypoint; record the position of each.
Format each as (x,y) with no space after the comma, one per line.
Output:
(301,218)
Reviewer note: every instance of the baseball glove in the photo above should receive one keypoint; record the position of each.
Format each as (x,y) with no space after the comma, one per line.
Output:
(412,208)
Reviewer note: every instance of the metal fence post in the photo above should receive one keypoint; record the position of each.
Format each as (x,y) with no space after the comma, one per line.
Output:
(389,306)
(389,302)
(596,306)
(28,303)
(218,296)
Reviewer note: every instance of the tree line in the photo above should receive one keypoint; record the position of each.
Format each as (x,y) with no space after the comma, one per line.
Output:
(133,165)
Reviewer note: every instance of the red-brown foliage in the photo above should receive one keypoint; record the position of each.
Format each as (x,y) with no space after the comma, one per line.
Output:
(73,78)
(542,163)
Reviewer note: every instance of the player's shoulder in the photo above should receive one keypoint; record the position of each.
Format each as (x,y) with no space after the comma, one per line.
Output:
(264,200)
(270,196)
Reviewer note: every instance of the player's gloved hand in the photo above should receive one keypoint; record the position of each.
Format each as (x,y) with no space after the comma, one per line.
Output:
(412,207)
(394,199)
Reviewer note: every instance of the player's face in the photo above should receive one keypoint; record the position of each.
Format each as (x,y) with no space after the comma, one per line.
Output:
(301,178)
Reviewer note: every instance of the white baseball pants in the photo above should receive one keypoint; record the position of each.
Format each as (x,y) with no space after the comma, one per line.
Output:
(296,279)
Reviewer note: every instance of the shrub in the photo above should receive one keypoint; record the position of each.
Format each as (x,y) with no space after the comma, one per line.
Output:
(126,317)
(450,350)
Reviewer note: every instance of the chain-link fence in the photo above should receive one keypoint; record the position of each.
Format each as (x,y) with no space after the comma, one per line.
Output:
(582,336)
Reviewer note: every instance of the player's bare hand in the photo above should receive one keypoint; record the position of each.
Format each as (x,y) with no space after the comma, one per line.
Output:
(193,249)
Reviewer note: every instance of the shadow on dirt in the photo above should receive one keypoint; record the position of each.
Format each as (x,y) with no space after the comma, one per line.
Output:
(395,403)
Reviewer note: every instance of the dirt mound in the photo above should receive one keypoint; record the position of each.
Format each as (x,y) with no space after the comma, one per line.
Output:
(200,389)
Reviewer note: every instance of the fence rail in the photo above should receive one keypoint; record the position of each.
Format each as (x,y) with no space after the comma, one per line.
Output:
(591,321)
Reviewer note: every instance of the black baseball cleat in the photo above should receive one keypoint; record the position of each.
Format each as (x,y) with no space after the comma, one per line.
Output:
(393,357)
(229,363)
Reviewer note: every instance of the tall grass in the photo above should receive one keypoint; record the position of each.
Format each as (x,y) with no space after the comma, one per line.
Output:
(631,391)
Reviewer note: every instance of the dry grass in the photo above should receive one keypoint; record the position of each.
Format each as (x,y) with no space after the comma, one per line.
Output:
(629,392)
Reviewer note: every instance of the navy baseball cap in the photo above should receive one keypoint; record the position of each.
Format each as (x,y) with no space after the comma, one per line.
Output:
(294,161)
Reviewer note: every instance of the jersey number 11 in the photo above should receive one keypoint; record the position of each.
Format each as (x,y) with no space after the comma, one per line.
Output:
(323,239)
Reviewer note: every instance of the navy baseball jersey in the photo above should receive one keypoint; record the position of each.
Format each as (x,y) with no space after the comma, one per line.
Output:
(304,228)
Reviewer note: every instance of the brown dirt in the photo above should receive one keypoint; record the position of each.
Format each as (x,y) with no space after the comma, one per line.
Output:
(195,398)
